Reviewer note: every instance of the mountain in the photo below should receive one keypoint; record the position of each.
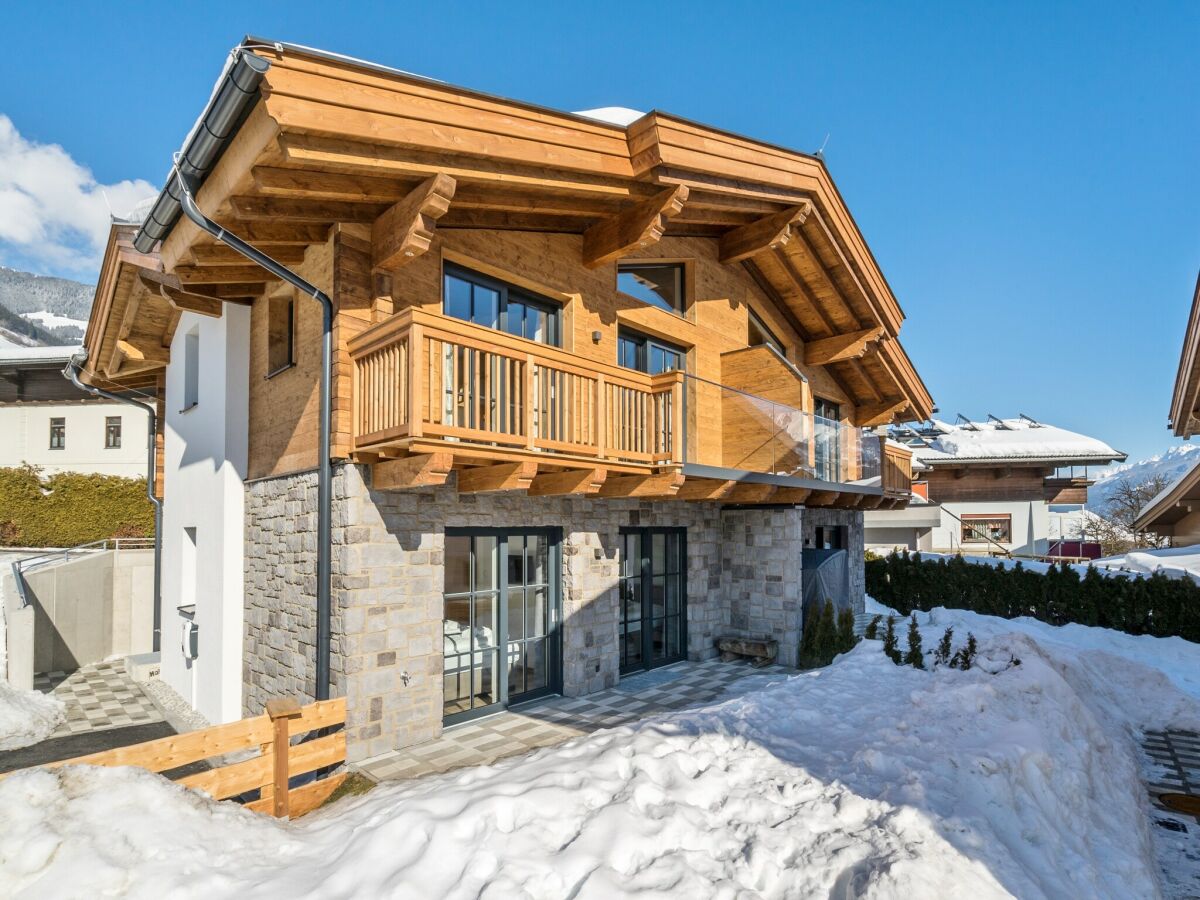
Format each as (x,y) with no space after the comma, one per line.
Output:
(21,332)
(1171,463)
(56,308)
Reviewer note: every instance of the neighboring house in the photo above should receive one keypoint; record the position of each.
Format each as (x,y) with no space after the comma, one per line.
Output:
(598,392)
(46,421)
(1175,513)
(1001,486)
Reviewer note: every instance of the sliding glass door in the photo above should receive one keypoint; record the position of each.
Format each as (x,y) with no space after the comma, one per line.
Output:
(653,615)
(500,622)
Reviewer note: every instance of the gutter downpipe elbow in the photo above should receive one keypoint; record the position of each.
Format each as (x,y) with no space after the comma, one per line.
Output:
(324,467)
(71,373)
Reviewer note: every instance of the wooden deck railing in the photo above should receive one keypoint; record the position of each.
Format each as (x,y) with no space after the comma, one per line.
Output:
(268,772)
(895,469)
(424,375)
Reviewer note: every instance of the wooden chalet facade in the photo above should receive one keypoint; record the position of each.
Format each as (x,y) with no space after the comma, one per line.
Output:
(550,333)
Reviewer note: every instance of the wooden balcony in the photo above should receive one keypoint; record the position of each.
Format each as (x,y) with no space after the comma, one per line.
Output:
(895,470)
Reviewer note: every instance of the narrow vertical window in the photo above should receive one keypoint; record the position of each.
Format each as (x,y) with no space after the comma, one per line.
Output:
(281,330)
(58,433)
(112,432)
(191,368)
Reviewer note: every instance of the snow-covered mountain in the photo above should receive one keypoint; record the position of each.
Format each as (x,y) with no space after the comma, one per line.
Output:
(1171,463)
(56,309)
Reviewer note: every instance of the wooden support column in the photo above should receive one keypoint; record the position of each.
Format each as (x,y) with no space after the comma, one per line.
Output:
(633,229)
(840,346)
(768,233)
(663,484)
(405,230)
(422,470)
(280,712)
(501,477)
(572,481)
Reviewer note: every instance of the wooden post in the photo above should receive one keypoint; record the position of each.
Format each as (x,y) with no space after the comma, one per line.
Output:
(601,416)
(530,437)
(416,380)
(280,711)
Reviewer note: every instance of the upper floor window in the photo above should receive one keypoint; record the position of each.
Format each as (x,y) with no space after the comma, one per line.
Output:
(281,333)
(112,432)
(494,304)
(191,369)
(759,335)
(659,284)
(58,433)
(646,354)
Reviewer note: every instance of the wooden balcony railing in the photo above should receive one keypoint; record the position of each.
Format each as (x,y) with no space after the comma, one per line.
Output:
(895,469)
(424,375)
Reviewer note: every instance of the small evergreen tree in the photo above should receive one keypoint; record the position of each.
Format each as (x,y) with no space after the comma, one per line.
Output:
(845,628)
(966,656)
(827,637)
(872,631)
(890,646)
(808,640)
(914,657)
(943,654)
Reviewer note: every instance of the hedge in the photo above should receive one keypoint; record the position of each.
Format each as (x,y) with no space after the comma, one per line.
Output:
(70,508)
(1155,605)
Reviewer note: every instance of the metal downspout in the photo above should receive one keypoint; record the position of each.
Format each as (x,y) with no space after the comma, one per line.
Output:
(324,468)
(71,373)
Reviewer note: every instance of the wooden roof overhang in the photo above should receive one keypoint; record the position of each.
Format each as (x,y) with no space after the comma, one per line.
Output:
(1176,501)
(1185,400)
(333,141)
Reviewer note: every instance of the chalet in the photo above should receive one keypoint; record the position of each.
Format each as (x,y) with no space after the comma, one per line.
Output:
(467,401)
(1175,513)
(1002,486)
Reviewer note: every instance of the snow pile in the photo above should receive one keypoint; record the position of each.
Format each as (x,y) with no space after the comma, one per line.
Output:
(27,717)
(862,779)
(1174,562)
(1018,439)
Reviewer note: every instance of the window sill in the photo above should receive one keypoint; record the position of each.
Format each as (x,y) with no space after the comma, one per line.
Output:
(278,371)
(188,409)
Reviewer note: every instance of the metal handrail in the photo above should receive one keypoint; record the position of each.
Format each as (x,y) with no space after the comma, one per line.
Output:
(28,563)
(1008,553)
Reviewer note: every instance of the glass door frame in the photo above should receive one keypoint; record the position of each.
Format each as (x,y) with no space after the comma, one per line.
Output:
(647,661)
(553,643)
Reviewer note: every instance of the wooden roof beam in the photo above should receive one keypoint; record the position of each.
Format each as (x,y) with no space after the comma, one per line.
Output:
(139,352)
(572,481)
(768,233)
(220,255)
(500,477)
(405,230)
(634,229)
(704,489)
(840,347)
(168,287)
(662,484)
(750,492)
(422,470)
(189,275)
(880,413)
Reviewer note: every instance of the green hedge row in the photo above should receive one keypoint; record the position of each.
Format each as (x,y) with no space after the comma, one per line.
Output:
(70,508)
(1155,605)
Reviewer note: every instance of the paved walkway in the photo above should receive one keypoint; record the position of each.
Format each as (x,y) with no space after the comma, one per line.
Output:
(1172,766)
(98,697)
(546,723)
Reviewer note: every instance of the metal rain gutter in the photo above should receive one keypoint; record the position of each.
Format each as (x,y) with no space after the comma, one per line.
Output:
(71,373)
(324,468)
(231,101)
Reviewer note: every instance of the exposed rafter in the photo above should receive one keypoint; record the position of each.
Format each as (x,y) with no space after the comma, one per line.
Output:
(704,489)
(662,484)
(142,353)
(572,481)
(412,471)
(169,288)
(880,413)
(840,346)
(634,229)
(405,230)
(768,233)
(500,477)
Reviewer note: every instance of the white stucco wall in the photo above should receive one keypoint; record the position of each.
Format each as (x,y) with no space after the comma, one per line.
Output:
(25,437)
(204,470)
(1030,526)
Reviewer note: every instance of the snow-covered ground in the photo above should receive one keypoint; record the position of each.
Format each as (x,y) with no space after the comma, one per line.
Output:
(26,717)
(861,779)
(47,319)
(1174,562)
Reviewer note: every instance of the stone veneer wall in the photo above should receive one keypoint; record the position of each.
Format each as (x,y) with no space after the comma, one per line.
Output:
(853,520)
(761,576)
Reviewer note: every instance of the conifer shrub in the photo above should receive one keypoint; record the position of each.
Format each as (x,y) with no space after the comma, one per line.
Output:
(825,635)
(914,657)
(944,651)
(891,647)
(872,630)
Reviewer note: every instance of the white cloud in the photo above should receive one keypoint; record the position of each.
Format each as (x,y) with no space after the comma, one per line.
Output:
(52,209)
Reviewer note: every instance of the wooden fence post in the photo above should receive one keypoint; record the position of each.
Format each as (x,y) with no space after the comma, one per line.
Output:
(280,711)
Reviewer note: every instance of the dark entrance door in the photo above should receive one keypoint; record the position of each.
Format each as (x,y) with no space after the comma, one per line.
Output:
(500,629)
(653,597)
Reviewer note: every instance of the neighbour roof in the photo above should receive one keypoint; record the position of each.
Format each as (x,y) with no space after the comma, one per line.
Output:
(1186,397)
(17,355)
(938,443)
(1171,504)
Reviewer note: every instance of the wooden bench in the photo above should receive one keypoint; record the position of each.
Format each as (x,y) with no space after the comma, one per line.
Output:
(762,651)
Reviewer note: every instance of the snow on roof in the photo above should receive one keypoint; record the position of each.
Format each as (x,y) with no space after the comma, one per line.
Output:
(38,354)
(614,115)
(1006,439)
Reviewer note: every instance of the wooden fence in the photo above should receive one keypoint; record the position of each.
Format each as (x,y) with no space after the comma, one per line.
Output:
(269,771)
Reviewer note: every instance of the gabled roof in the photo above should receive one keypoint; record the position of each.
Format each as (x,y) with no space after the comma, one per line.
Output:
(1172,503)
(1002,442)
(1184,418)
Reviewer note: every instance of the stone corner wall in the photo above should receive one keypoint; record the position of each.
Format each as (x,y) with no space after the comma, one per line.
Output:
(855,546)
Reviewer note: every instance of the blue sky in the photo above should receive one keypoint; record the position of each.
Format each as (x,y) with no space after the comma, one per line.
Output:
(1025,173)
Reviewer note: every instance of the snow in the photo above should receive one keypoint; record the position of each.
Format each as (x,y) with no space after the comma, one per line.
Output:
(1174,562)
(27,717)
(1016,439)
(861,779)
(22,354)
(614,115)
(47,319)
(1172,464)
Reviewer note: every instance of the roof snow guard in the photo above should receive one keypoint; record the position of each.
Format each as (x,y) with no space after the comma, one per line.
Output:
(230,103)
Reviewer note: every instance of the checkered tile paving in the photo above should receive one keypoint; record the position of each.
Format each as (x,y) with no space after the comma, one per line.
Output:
(98,697)
(546,723)
(1172,766)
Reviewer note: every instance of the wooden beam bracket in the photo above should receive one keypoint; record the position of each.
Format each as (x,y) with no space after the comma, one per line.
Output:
(500,477)
(634,229)
(840,347)
(405,230)
(768,233)
(421,470)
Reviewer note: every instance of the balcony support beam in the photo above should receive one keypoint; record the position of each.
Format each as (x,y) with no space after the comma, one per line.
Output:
(422,470)
(840,347)
(662,484)
(405,230)
(750,492)
(799,496)
(501,477)
(704,489)
(768,233)
(822,498)
(635,229)
(572,481)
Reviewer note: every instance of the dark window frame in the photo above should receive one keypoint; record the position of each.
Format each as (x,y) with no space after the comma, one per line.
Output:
(828,453)
(971,535)
(645,577)
(771,338)
(290,361)
(642,343)
(681,282)
(110,431)
(58,433)
(508,295)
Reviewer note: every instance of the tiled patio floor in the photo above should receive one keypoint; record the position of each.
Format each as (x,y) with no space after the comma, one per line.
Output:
(98,697)
(556,720)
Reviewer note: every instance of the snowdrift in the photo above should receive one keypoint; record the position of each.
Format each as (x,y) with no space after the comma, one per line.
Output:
(862,779)
(27,717)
